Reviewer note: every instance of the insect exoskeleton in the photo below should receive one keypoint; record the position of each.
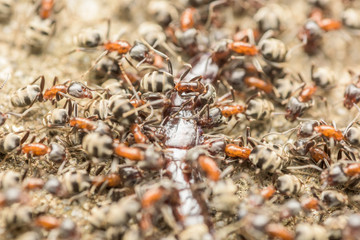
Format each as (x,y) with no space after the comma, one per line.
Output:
(57,153)
(209,96)
(6,9)
(9,143)
(157,81)
(335,226)
(17,216)
(39,32)
(333,198)
(105,68)
(114,87)
(197,231)
(289,185)
(353,135)
(9,179)
(163,12)
(259,109)
(75,181)
(151,32)
(353,226)
(322,76)
(115,214)
(284,87)
(224,197)
(265,158)
(273,50)
(100,108)
(119,106)
(25,96)
(306,231)
(56,117)
(88,38)
(270,17)
(98,145)
(351,18)
(334,175)
(31,235)
(295,108)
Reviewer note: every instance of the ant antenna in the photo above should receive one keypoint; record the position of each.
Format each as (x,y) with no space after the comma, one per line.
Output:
(163,55)
(3,84)
(128,81)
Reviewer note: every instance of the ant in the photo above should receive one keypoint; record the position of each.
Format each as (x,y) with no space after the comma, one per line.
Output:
(236,151)
(311,33)
(74,89)
(352,91)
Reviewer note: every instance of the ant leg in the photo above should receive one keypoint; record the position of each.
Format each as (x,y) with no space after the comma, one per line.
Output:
(257,64)
(42,85)
(128,81)
(305,166)
(163,55)
(80,49)
(25,137)
(186,72)
(200,112)
(103,186)
(268,34)
(131,65)
(43,139)
(151,114)
(172,52)
(32,139)
(211,11)
(141,62)
(280,133)
(251,37)
(198,78)
(292,49)
(108,22)
(56,79)
(75,110)
(3,84)
(353,121)
(223,98)
(128,113)
(96,62)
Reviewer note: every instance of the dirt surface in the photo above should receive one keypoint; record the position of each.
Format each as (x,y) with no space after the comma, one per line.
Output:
(20,65)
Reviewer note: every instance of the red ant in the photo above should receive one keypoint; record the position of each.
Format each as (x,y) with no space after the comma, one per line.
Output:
(267,192)
(237,151)
(85,124)
(330,132)
(297,106)
(47,222)
(132,153)
(111,180)
(75,89)
(121,47)
(190,17)
(138,135)
(325,24)
(231,110)
(311,33)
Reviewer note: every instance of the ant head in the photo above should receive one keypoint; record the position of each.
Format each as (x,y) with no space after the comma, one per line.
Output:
(79,90)
(221,51)
(139,51)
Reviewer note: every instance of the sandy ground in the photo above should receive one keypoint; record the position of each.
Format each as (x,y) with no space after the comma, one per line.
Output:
(20,67)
